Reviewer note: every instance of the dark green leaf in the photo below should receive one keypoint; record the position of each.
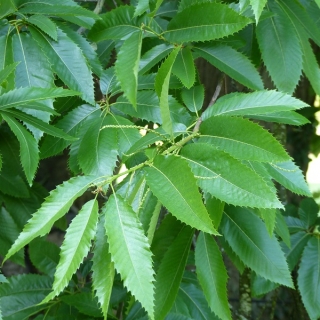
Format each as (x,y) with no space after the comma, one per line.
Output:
(285,117)
(7,71)
(7,7)
(215,209)
(45,24)
(193,98)
(308,211)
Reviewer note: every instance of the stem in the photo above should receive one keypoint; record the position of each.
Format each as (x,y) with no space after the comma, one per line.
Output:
(217,92)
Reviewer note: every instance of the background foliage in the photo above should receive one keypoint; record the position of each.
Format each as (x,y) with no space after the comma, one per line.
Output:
(171,176)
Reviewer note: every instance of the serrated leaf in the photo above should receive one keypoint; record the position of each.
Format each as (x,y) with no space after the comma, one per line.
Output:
(130,250)
(75,247)
(233,63)
(257,7)
(29,152)
(53,208)
(193,98)
(212,275)
(255,103)
(99,149)
(261,286)
(13,185)
(248,237)
(109,82)
(184,67)
(162,88)
(170,272)
(47,128)
(215,209)
(20,297)
(102,268)
(7,8)
(308,278)
(153,56)
(242,139)
(205,21)
(44,255)
(4,73)
(45,24)
(127,66)
(6,58)
(227,178)
(308,211)
(70,65)
(269,218)
(282,229)
(142,7)
(277,38)
(70,124)
(172,182)
(285,117)
(290,176)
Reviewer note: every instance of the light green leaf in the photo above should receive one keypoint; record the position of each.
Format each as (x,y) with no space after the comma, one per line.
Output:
(22,96)
(47,128)
(269,218)
(285,117)
(249,239)
(127,66)
(20,297)
(233,63)
(242,139)
(29,152)
(6,59)
(282,229)
(7,7)
(170,272)
(153,56)
(44,255)
(308,277)
(70,65)
(277,38)
(130,250)
(290,176)
(102,268)
(308,211)
(53,208)
(184,67)
(227,178)
(204,21)
(162,88)
(45,24)
(255,103)
(142,7)
(4,74)
(257,7)
(75,247)
(70,124)
(215,209)
(212,275)
(172,182)
(193,98)
(99,149)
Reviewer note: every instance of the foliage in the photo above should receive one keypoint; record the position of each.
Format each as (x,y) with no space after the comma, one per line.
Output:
(120,91)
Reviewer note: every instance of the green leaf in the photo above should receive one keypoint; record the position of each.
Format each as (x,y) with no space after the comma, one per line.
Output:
(13,185)
(308,277)
(285,117)
(47,128)
(6,58)
(172,182)
(290,176)
(227,178)
(70,65)
(277,38)
(44,255)
(29,152)
(215,209)
(4,74)
(257,7)
(130,250)
(7,8)
(233,63)
(20,297)
(99,149)
(142,7)
(70,124)
(153,56)
(255,103)
(170,272)
(109,82)
(204,21)
(75,247)
(84,302)
(242,139)
(184,68)
(282,229)
(102,268)
(212,275)
(127,66)
(45,24)
(249,239)
(269,218)
(22,96)
(54,207)
(193,98)
(261,286)
(162,88)
(308,211)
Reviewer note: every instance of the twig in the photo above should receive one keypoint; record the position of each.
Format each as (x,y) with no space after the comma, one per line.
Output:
(217,91)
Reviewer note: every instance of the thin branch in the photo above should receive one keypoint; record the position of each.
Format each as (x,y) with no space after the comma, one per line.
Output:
(217,91)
